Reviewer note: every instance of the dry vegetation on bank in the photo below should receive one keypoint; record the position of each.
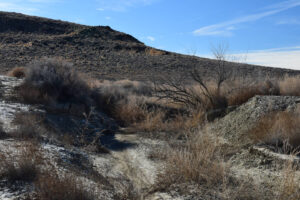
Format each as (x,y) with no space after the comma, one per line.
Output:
(29,166)
(171,107)
(279,129)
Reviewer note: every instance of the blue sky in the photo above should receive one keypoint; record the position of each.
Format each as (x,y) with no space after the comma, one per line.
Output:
(265,32)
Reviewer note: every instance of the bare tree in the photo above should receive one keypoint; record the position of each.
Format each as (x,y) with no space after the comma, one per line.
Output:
(205,96)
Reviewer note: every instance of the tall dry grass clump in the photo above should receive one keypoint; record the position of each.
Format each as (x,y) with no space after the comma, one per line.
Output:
(278,128)
(198,161)
(290,86)
(53,80)
(239,92)
(24,166)
(288,185)
(50,186)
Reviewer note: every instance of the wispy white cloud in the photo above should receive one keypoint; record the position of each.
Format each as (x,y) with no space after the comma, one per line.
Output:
(122,5)
(226,28)
(24,6)
(289,22)
(282,59)
(108,18)
(151,38)
(12,7)
(286,57)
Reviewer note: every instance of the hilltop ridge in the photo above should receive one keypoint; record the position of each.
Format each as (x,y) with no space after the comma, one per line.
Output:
(100,50)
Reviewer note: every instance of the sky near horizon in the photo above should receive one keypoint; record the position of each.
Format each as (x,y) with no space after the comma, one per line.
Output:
(264,32)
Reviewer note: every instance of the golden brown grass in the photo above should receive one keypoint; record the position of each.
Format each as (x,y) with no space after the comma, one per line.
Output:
(50,186)
(239,93)
(290,86)
(198,161)
(278,128)
(289,187)
(139,117)
(18,72)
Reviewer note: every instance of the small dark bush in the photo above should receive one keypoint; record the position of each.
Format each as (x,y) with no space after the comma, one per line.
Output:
(22,167)
(52,187)
(26,171)
(18,72)
(53,80)
(3,134)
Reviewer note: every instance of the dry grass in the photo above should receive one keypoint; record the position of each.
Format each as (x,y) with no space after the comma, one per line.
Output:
(143,116)
(278,128)
(29,165)
(239,92)
(199,161)
(288,185)
(23,166)
(29,126)
(290,86)
(50,186)
(18,72)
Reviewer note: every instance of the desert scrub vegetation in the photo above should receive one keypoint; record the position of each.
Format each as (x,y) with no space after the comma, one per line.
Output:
(29,164)
(51,186)
(22,167)
(198,161)
(30,126)
(203,93)
(290,86)
(280,130)
(53,80)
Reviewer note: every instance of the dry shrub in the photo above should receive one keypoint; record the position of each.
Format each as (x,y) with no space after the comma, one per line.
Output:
(50,186)
(18,72)
(24,166)
(139,115)
(129,112)
(198,161)
(202,95)
(29,126)
(241,94)
(288,186)
(290,86)
(108,94)
(53,80)
(278,128)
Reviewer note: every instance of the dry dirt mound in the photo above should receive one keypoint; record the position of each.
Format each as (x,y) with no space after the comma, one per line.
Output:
(235,126)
